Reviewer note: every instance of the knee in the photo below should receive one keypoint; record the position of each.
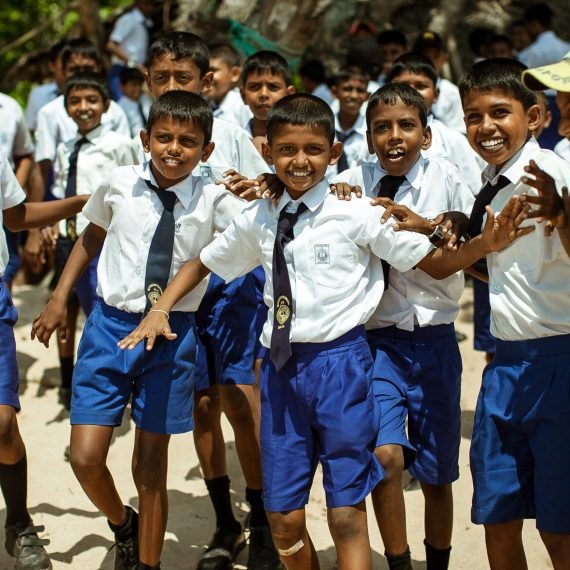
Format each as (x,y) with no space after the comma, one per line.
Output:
(286,529)
(558,545)
(346,523)
(86,464)
(436,493)
(236,404)
(149,478)
(207,407)
(504,533)
(8,427)
(391,458)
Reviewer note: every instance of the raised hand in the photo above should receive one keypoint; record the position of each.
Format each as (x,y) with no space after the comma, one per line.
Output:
(407,219)
(54,316)
(155,324)
(502,230)
(344,190)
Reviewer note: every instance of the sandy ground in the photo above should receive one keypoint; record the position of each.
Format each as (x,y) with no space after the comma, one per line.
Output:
(80,538)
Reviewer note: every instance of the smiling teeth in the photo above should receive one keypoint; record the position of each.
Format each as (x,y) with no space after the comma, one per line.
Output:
(299,173)
(395,152)
(492,143)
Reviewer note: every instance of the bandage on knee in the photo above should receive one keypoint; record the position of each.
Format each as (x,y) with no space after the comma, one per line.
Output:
(293,550)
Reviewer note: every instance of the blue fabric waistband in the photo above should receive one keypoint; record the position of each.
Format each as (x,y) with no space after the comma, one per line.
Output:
(134,318)
(419,333)
(531,348)
(353,336)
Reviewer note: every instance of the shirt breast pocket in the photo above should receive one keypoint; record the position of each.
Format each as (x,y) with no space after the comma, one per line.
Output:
(333,265)
(523,256)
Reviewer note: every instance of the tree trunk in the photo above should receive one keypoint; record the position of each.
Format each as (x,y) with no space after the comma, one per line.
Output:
(89,25)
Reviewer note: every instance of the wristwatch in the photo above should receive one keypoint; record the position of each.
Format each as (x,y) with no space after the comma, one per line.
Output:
(437,235)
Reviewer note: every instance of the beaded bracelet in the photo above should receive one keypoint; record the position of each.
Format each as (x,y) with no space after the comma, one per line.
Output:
(160,311)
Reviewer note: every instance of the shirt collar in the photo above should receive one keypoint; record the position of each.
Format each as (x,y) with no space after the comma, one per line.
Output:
(183,190)
(359,125)
(141,17)
(312,198)
(514,168)
(92,136)
(414,176)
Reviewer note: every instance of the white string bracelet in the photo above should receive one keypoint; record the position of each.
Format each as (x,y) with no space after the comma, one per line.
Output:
(160,311)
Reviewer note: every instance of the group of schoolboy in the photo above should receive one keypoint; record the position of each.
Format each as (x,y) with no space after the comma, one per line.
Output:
(319,311)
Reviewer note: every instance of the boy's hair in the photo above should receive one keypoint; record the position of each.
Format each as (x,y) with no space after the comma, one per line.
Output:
(478,38)
(541,13)
(499,74)
(502,39)
(413,63)
(542,97)
(391,94)
(131,74)
(56,49)
(314,70)
(428,39)
(86,80)
(181,45)
(392,37)
(81,47)
(301,109)
(266,60)
(182,107)
(226,52)
(349,72)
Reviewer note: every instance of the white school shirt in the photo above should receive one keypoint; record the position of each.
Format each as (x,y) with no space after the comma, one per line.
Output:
(129,212)
(562,149)
(132,111)
(448,108)
(356,147)
(105,151)
(15,138)
(233,149)
(452,145)
(333,262)
(55,126)
(529,280)
(232,109)
(131,33)
(322,91)
(39,96)
(432,186)
(547,48)
(11,194)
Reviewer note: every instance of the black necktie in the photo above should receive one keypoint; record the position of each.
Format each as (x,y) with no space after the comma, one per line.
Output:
(161,249)
(141,113)
(71,187)
(484,198)
(388,188)
(280,348)
(342,163)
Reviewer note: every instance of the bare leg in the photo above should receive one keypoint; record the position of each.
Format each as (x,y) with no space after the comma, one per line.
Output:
(505,547)
(388,500)
(349,531)
(438,518)
(290,536)
(88,458)
(558,546)
(12,447)
(150,466)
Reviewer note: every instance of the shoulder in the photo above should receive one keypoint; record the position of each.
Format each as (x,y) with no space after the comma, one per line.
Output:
(553,164)
(221,128)
(114,139)
(9,103)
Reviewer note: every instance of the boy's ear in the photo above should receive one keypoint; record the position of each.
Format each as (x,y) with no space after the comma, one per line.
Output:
(235,73)
(533,118)
(206,81)
(148,81)
(145,139)
(266,153)
(291,89)
(426,139)
(336,152)
(207,151)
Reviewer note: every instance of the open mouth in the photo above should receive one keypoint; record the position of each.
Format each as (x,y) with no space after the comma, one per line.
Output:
(493,145)
(172,161)
(299,173)
(396,154)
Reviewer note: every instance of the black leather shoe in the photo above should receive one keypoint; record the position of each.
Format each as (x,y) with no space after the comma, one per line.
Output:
(23,543)
(262,552)
(223,550)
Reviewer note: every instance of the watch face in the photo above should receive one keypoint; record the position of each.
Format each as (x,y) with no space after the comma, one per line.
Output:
(437,235)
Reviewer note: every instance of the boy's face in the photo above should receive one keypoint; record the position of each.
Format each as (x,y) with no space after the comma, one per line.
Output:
(497,124)
(168,74)
(262,90)
(422,84)
(351,95)
(563,103)
(396,137)
(390,53)
(501,49)
(175,149)
(301,155)
(78,62)
(437,56)
(132,89)
(85,106)
(224,78)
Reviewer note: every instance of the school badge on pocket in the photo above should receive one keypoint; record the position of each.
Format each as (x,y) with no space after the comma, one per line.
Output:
(322,253)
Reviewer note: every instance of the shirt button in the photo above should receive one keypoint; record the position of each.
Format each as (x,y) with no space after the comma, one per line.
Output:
(138,271)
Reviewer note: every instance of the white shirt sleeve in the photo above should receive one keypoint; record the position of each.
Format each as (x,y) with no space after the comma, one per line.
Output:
(98,210)
(12,193)
(118,120)
(248,160)
(22,145)
(123,27)
(46,137)
(226,208)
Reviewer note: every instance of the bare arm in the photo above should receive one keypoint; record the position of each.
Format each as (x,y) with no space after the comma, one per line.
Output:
(34,214)
(156,322)
(24,165)
(54,314)
(497,234)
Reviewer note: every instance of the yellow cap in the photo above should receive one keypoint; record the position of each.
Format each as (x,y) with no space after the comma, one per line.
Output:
(554,76)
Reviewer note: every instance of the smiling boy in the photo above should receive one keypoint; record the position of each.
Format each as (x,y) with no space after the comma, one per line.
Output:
(521,440)
(149,220)
(324,280)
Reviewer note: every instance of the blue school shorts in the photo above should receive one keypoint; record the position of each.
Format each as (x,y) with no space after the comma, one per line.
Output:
(226,322)
(160,381)
(9,375)
(85,290)
(319,408)
(418,375)
(482,338)
(261,316)
(14,259)
(520,452)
